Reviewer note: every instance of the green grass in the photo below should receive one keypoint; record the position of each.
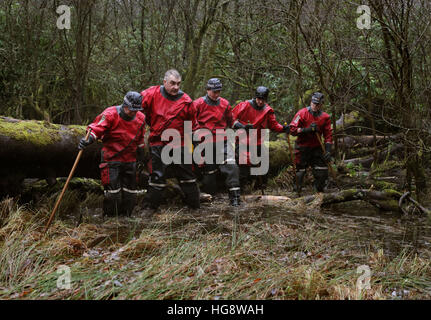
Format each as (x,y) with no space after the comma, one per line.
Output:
(209,254)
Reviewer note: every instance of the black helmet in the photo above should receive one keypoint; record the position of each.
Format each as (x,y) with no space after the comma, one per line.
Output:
(262,93)
(317,98)
(133,101)
(214,84)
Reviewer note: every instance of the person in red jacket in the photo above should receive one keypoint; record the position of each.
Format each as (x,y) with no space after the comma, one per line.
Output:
(307,124)
(255,114)
(167,107)
(122,130)
(214,113)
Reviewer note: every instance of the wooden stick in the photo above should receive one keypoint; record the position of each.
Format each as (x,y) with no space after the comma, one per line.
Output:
(333,174)
(65,185)
(292,158)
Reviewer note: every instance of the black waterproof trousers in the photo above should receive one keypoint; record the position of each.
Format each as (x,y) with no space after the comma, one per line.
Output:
(119,182)
(223,161)
(182,172)
(311,156)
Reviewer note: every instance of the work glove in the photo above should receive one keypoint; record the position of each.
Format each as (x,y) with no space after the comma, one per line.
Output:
(327,154)
(248,126)
(286,128)
(312,128)
(85,143)
(238,125)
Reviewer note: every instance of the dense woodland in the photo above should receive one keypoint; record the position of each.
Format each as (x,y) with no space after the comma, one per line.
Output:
(293,47)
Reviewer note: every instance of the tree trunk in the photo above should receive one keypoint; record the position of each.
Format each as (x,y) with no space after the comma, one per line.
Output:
(38,149)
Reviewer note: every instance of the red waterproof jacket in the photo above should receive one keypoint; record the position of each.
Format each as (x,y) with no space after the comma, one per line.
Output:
(167,112)
(213,115)
(120,137)
(245,113)
(303,119)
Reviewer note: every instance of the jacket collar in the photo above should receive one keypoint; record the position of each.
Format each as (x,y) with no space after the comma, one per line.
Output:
(166,95)
(210,101)
(255,106)
(123,115)
(314,113)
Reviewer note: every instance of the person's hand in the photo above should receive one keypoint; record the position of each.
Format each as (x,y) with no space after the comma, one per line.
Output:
(311,129)
(314,127)
(85,143)
(248,126)
(238,125)
(286,128)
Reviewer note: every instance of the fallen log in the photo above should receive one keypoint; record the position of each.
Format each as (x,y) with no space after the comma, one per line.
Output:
(38,149)
(386,200)
(367,161)
(363,140)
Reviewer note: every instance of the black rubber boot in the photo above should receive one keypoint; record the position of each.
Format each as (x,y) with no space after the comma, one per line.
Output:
(298,182)
(234,197)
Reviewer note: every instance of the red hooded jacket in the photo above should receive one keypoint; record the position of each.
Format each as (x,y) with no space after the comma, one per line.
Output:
(245,113)
(166,112)
(303,119)
(120,137)
(213,115)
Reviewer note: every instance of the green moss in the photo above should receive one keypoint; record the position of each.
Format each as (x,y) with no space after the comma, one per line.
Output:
(351,118)
(383,185)
(393,193)
(39,133)
(385,166)
(77,130)
(279,153)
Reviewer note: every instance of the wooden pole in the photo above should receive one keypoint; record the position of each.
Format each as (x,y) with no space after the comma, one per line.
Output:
(292,158)
(333,174)
(78,157)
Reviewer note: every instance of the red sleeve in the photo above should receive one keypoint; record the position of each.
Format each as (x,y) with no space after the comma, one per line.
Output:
(273,123)
(296,124)
(147,96)
(141,140)
(327,131)
(237,112)
(101,124)
(192,111)
(197,104)
(229,117)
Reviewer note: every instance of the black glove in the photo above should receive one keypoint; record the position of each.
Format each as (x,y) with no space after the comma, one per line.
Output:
(84,143)
(327,155)
(238,125)
(248,126)
(312,128)
(286,128)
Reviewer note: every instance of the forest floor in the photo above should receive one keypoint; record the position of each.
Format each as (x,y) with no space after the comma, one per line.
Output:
(258,251)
